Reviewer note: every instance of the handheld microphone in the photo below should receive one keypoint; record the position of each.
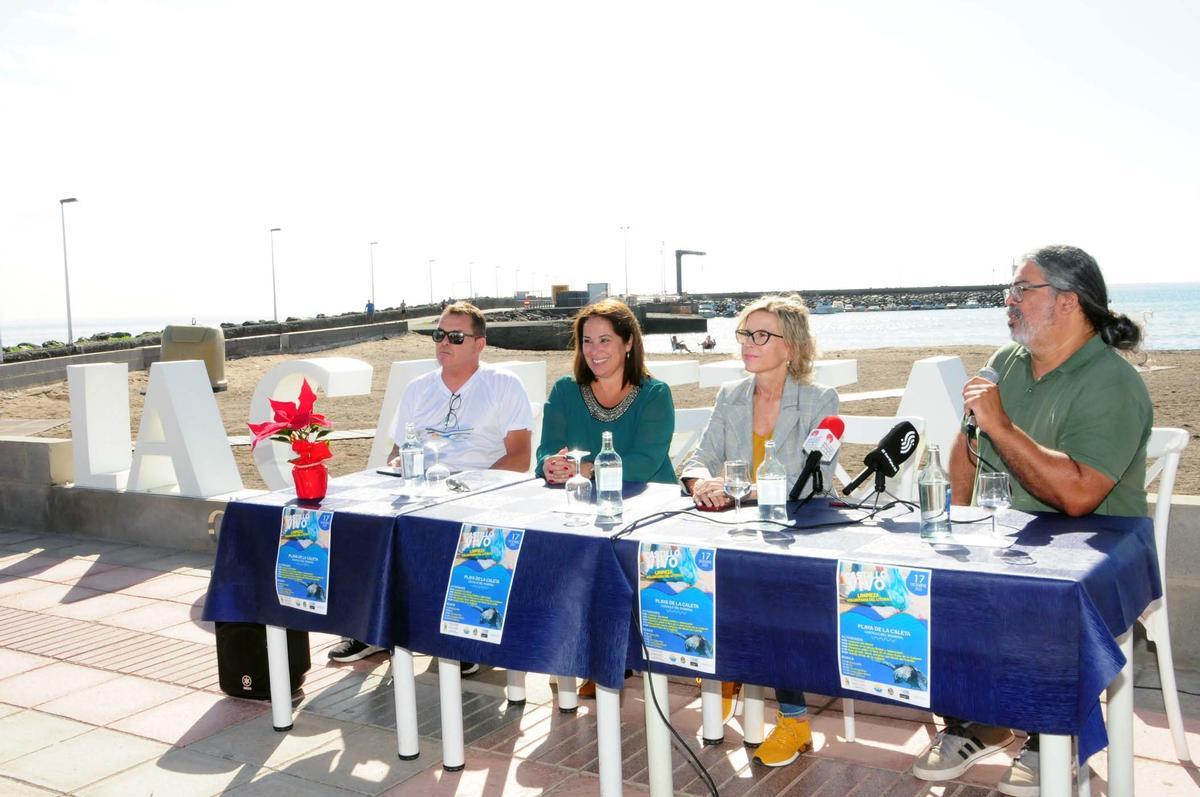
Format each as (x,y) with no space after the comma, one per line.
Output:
(820,447)
(892,451)
(972,428)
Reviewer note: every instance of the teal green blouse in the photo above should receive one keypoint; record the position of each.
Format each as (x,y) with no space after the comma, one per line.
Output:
(642,435)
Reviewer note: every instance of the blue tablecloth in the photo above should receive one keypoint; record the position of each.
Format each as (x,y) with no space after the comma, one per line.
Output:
(1028,646)
(364,592)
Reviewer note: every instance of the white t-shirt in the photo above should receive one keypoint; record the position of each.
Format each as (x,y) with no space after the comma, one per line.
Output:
(491,404)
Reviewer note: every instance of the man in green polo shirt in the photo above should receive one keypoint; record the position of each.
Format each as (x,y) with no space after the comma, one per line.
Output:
(1068,421)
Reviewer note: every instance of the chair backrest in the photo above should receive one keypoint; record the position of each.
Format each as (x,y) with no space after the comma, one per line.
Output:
(1163,451)
(869,430)
(689,426)
(402,372)
(535,439)
(532,374)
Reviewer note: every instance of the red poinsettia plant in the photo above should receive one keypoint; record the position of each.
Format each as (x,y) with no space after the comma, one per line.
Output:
(297,424)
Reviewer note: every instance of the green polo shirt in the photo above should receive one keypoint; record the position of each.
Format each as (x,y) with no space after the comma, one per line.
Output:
(1094,408)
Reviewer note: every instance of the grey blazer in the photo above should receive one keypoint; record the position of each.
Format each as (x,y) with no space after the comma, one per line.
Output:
(729,434)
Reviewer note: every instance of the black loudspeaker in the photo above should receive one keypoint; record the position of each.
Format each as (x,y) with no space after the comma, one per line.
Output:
(242,659)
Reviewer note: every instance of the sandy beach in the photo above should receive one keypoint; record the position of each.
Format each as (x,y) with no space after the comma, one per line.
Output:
(1172,377)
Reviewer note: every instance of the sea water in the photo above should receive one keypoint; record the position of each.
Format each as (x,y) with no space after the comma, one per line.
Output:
(1169,314)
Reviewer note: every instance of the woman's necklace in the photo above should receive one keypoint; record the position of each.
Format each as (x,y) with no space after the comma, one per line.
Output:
(607,414)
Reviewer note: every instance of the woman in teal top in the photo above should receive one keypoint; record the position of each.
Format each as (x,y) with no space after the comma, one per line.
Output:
(611,392)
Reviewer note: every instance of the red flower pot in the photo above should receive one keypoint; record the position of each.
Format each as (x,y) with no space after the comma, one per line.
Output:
(311,481)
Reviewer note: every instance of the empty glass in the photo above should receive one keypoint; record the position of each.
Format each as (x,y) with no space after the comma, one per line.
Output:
(438,474)
(994,493)
(579,492)
(737,486)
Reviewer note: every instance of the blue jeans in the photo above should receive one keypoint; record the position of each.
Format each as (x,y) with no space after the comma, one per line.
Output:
(791,703)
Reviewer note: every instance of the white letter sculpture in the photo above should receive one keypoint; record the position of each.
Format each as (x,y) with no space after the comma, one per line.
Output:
(101,443)
(336,376)
(182,446)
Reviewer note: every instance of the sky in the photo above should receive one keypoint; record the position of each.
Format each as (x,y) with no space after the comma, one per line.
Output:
(492,147)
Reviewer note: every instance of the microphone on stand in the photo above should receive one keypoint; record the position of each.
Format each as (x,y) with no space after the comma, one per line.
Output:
(819,448)
(972,428)
(892,451)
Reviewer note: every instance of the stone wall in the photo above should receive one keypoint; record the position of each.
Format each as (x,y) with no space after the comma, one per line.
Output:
(17,375)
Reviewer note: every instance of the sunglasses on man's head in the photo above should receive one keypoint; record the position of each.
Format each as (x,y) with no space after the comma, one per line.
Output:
(456,337)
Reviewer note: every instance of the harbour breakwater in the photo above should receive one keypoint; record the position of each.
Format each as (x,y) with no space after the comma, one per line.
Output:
(547,328)
(852,299)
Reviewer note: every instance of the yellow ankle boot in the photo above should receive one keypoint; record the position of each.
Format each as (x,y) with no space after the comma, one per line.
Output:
(791,737)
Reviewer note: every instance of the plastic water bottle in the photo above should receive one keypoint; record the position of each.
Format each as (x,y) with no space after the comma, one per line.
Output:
(933,486)
(771,478)
(609,477)
(412,456)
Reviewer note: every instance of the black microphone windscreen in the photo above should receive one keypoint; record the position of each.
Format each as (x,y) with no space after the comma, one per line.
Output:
(894,449)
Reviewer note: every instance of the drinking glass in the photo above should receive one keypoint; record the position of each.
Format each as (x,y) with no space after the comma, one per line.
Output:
(579,492)
(737,485)
(994,493)
(438,474)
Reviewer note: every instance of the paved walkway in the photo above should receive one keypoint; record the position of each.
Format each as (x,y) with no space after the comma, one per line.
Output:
(108,686)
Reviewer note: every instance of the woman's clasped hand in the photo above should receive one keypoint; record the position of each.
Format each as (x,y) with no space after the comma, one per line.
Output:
(560,467)
(711,493)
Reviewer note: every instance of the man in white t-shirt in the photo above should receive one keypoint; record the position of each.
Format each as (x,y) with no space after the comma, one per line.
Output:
(480,412)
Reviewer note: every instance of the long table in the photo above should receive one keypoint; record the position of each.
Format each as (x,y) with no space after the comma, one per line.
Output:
(1030,645)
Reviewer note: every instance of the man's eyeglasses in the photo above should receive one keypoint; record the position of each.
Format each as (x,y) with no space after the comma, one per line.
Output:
(456,337)
(760,337)
(1017,289)
(452,412)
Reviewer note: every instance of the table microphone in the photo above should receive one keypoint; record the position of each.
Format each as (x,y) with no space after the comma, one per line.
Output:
(893,451)
(820,447)
(972,428)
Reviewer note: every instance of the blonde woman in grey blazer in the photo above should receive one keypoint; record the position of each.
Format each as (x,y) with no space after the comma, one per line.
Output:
(729,434)
(776,402)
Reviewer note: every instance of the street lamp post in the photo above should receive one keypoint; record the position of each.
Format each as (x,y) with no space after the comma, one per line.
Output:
(497,282)
(431,262)
(371,251)
(471,278)
(62,215)
(625,230)
(274,303)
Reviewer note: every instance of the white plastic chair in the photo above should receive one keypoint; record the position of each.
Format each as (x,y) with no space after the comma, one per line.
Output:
(535,438)
(1163,450)
(869,430)
(689,426)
